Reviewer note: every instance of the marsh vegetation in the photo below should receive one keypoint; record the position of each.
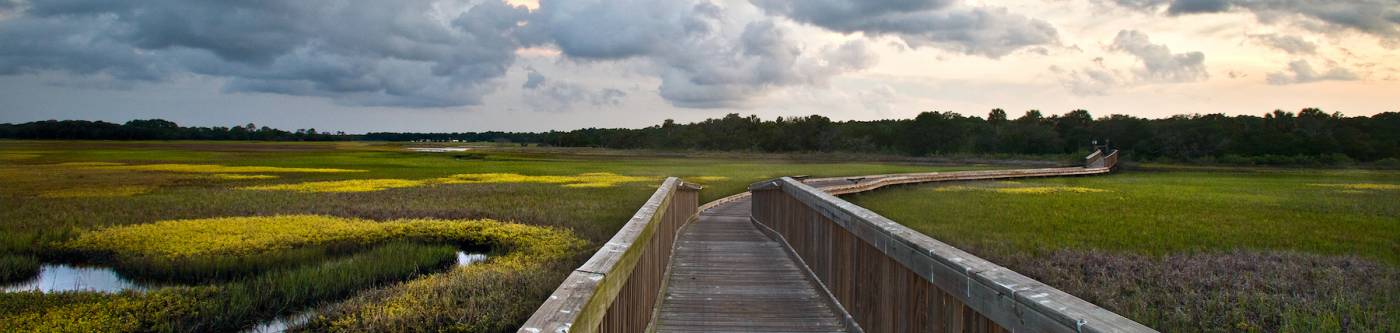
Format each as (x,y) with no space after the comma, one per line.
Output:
(1187,249)
(224,236)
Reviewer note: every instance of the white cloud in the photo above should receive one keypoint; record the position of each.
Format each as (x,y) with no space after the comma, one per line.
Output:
(1159,63)
(1300,71)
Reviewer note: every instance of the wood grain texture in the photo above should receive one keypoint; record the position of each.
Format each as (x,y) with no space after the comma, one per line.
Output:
(727,276)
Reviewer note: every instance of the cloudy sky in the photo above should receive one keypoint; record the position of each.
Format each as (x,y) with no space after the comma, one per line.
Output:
(464,65)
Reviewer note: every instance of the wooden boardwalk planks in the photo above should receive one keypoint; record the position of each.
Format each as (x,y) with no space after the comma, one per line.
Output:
(726,276)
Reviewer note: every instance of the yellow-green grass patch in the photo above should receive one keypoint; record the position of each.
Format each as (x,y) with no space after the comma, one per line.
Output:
(1021,190)
(592,179)
(97,192)
(234,176)
(236,236)
(1049,190)
(521,250)
(353,185)
(586,180)
(215,168)
(1356,187)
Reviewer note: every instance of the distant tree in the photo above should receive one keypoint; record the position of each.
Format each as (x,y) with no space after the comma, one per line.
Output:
(1074,129)
(997,117)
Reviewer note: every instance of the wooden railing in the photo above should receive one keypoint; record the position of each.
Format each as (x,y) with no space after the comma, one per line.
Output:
(893,279)
(868,183)
(617,289)
(1101,160)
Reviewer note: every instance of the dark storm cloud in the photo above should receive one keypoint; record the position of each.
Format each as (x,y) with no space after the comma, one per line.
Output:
(419,53)
(1159,63)
(1198,6)
(704,55)
(6,5)
(944,24)
(1375,17)
(404,53)
(77,45)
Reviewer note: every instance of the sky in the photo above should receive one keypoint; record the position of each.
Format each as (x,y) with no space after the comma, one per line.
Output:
(527,65)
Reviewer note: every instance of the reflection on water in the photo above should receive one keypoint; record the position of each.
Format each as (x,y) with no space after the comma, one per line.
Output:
(464,258)
(63,277)
(281,324)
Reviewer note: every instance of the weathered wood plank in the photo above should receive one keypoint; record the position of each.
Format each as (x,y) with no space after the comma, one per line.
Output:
(727,276)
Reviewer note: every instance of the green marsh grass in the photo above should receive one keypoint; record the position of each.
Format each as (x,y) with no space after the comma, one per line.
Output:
(493,296)
(16,268)
(1186,250)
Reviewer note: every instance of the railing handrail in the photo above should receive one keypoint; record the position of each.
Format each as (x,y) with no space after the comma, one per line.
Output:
(1093,155)
(581,301)
(1010,299)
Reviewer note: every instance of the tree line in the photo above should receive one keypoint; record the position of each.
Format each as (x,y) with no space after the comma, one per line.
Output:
(1310,136)
(156,129)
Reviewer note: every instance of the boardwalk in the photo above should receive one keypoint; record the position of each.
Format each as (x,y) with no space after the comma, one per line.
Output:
(726,276)
(720,273)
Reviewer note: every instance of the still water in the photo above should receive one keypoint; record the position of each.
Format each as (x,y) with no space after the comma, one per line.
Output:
(65,277)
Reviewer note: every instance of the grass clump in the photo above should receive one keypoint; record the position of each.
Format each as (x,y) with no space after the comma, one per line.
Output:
(16,268)
(97,192)
(34,311)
